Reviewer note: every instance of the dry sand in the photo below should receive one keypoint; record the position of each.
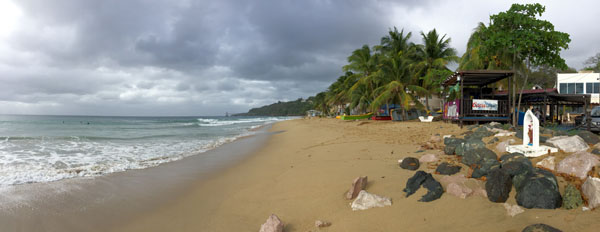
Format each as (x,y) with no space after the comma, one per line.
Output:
(303,172)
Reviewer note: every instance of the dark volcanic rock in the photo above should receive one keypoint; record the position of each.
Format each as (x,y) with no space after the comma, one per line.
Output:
(515,164)
(543,139)
(572,198)
(519,133)
(447,169)
(596,151)
(449,149)
(453,141)
(479,133)
(434,188)
(413,183)
(470,144)
(410,163)
(538,190)
(484,167)
(495,139)
(540,228)
(475,156)
(451,144)
(498,185)
(588,137)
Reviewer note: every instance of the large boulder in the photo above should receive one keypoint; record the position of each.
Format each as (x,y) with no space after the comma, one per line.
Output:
(358,184)
(479,133)
(569,143)
(366,200)
(515,164)
(540,228)
(591,191)
(572,198)
(578,164)
(483,168)
(498,185)
(475,156)
(447,169)
(434,189)
(414,183)
(588,137)
(273,224)
(538,189)
(451,144)
(452,140)
(410,163)
(468,145)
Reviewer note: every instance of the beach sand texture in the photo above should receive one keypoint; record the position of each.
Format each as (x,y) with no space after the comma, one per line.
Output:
(304,171)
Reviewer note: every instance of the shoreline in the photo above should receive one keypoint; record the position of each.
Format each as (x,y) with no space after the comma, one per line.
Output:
(104,202)
(302,174)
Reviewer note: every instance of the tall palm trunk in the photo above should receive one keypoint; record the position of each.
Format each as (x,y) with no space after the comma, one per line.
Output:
(427,102)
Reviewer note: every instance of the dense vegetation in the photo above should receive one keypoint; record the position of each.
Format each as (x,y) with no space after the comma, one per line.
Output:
(291,108)
(400,72)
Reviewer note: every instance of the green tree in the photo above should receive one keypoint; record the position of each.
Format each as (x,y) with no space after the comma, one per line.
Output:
(519,32)
(433,57)
(593,63)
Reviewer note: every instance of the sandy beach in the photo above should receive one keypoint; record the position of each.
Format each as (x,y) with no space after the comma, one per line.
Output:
(306,167)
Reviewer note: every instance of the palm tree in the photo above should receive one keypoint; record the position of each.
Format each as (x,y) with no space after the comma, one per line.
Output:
(434,56)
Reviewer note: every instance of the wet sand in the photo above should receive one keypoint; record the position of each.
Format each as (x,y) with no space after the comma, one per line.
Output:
(302,174)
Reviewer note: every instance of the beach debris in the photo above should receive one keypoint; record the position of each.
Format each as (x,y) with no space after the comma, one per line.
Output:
(498,185)
(537,189)
(273,224)
(569,143)
(413,183)
(359,183)
(547,163)
(578,164)
(459,190)
(512,210)
(366,200)
(446,168)
(540,228)
(572,198)
(428,158)
(515,164)
(591,191)
(588,137)
(321,224)
(410,163)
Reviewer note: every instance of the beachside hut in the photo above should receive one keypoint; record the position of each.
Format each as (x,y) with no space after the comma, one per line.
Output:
(477,101)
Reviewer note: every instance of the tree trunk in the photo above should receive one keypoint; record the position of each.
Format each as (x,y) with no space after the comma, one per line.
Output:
(427,103)
(524,84)
(514,77)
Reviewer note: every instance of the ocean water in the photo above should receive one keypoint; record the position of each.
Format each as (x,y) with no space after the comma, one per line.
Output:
(49,148)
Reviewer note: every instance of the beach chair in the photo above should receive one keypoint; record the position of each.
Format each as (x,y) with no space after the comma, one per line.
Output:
(429,119)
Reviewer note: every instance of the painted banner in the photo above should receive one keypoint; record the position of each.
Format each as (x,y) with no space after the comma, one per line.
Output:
(481,104)
(451,109)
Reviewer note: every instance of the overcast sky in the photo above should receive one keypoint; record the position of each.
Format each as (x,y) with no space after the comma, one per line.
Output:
(186,57)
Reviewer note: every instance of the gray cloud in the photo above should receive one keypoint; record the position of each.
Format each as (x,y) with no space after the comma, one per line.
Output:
(186,57)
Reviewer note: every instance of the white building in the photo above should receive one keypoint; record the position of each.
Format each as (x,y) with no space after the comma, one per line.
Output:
(583,82)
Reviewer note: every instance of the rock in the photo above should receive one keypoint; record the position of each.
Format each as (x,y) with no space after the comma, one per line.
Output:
(483,168)
(410,163)
(428,158)
(449,149)
(569,143)
(591,191)
(434,188)
(578,164)
(413,183)
(435,139)
(459,190)
(475,156)
(451,140)
(538,190)
(513,210)
(360,183)
(515,164)
(543,139)
(495,139)
(321,224)
(498,185)
(596,151)
(588,137)
(468,145)
(446,136)
(540,228)
(273,224)
(501,147)
(547,163)
(503,134)
(366,200)
(572,198)
(447,169)
(495,124)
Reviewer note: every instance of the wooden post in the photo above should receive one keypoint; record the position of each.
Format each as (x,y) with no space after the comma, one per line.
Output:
(462,101)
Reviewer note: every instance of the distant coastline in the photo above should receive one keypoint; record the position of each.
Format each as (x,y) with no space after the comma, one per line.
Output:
(290,108)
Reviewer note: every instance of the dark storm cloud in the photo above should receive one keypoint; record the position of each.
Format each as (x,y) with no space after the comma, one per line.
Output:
(207,57)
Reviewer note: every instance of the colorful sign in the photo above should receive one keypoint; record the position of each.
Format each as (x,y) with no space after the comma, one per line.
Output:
(451,109)
(481,104)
